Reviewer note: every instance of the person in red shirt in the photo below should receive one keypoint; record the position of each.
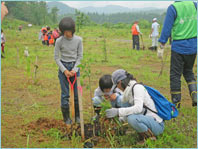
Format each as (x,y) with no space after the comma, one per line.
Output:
(55,34)
(3,40)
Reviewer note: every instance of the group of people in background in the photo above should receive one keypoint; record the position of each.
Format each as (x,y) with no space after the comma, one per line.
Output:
(135,30)
(48,37)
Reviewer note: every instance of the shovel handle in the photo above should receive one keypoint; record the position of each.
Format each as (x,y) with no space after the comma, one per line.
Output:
(72,97)
(72,83)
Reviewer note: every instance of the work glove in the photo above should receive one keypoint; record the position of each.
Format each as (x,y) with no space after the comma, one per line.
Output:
(150,36)
(110,113)
(162,46)
(123,119)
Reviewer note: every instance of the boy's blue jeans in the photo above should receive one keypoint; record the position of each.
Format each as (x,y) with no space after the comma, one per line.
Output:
(65,85)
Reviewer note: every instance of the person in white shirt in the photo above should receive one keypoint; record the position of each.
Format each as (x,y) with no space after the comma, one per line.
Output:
(154,34)
(145,122)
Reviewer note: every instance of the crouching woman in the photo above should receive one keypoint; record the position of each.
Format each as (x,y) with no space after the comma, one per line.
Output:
(145,122)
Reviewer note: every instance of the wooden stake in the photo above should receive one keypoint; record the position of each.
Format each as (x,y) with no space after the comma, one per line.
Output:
(17,56)
(35,67)
(92,107)
(163,63)
(81,109)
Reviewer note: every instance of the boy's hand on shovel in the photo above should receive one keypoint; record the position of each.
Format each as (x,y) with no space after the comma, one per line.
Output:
(72,73)
(67,73)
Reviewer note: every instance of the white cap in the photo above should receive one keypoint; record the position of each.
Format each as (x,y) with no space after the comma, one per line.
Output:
(154,19)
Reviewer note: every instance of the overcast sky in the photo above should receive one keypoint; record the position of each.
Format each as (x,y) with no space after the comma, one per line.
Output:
(129,4)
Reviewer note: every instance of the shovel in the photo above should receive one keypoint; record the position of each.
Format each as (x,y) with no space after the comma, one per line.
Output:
(142,42)
(72,107)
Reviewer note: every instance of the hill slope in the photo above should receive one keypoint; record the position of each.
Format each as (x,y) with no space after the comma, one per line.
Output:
(63,8)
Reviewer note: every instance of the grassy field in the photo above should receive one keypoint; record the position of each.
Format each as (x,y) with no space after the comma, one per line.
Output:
(26,100)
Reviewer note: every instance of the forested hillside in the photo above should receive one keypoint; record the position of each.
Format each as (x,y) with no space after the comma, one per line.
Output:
(45,13)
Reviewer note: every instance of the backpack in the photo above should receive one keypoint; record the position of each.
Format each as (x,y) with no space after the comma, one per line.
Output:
(165,109)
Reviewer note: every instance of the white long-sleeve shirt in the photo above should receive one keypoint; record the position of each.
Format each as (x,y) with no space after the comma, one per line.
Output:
(140,98)
(155,29)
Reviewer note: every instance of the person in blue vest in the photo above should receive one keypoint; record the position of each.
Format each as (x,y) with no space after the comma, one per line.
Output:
(147,123)
(181,23)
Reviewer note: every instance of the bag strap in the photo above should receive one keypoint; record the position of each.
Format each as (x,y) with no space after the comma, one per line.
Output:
(134,86)
(149,109)
(144,106)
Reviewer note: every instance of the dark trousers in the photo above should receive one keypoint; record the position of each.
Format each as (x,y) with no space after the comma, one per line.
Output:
(54,41)
(181,64)
(65,95)
(136,42)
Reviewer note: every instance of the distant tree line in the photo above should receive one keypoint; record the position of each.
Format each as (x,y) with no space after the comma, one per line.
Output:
(32,12)
(37,13)
(125,17)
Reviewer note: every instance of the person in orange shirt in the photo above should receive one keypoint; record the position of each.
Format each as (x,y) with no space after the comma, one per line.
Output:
(50,39)
(135,30)
(43,35)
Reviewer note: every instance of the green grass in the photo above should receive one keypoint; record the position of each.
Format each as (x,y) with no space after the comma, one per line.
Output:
(29,100)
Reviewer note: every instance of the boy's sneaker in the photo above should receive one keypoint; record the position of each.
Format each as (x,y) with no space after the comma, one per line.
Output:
(95,118)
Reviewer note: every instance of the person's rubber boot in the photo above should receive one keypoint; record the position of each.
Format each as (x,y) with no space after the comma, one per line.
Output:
(151,48)
(77,113)
(66,116)
(155,48)
(143,136)
(176,99)
(193,92)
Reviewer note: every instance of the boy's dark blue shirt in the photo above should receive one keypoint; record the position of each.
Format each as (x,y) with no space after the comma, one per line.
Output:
(187,46)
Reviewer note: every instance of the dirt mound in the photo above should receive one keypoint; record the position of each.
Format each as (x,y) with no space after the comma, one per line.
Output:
(45,124)
(101,129)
